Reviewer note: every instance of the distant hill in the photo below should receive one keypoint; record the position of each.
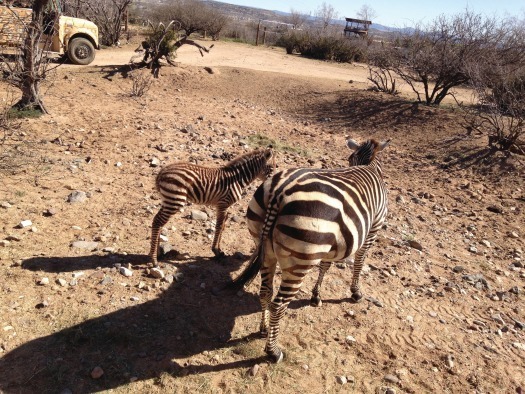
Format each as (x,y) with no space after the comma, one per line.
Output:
(247,13)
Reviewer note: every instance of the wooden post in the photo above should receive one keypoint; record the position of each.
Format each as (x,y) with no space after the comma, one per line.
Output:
(126,20)
(257,36)
(264,36)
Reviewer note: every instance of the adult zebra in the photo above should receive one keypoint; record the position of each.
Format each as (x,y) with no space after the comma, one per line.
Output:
(220,187)
(302,217)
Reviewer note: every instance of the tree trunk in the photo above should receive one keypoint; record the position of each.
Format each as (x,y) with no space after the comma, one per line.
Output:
(31,60)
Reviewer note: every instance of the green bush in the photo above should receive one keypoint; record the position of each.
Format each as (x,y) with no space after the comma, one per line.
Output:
(322,47)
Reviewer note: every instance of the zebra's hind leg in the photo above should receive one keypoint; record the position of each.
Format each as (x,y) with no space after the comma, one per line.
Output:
(316,296)
(159,221)
(358,265)
(292,279)
(266,290)
(222,216)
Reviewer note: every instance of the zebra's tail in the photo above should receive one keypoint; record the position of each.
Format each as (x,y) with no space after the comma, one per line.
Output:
(246,276)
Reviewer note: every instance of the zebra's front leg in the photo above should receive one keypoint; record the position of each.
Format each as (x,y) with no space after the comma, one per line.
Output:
(159,221)
(316,296)
(222,216)
(358,265)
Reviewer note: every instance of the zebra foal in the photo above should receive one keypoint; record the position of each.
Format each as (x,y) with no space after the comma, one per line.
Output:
(302,217)
(179,183)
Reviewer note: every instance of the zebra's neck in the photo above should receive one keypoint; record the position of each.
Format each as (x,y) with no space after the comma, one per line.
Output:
(243,173)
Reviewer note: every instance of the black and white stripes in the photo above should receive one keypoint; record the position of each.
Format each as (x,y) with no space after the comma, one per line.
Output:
(179,183)
(302,217)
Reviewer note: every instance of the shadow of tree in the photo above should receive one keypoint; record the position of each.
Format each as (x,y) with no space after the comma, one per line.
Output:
(123,69)
(366,110)
(141,341)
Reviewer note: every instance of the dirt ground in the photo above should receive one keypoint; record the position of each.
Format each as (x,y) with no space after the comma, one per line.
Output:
(443,309)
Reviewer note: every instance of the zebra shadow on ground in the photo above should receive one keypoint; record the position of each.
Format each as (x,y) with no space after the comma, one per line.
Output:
(141,341)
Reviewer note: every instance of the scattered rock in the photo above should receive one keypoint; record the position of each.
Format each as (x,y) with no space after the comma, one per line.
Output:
(350,339)
(125,271)
(5,205)
(519,345)
(61,282)
(154,162)
(415,245)
(44,281)
(515,290)
(374,301)
(495,208)
(97,372)
(169,279)
(4,243)
(341,379)
(254,370)
(156,273)
(449,361)
(106,281)
(513,234)
(486,243)
(400,199)
(49,212)
(477,280)
(87,245)
(25,223)
(391,378)
(165,248)
(77,196)
(198,215)
(236,219)
(43,304)
(458,268)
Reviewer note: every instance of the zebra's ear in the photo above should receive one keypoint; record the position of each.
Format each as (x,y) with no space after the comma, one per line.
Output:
(382,145)
(352,144)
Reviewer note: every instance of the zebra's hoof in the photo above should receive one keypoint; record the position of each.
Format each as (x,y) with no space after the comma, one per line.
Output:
(277,357)
(316,301)
(219,254)
(356,297)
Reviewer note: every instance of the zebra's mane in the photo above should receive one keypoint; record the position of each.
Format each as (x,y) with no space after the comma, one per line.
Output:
(240,160)
(366,152)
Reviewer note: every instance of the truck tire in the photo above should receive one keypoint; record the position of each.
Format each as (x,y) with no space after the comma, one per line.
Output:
(81,51)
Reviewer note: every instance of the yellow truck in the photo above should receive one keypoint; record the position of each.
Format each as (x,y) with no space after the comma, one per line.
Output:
(74,37)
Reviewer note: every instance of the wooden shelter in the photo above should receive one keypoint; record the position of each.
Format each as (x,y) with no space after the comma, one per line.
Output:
(356,27)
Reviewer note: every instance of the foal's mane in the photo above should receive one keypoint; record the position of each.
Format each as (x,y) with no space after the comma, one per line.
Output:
(244,158)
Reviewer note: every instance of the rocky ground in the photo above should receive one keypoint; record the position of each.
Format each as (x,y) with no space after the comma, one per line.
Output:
(80,311)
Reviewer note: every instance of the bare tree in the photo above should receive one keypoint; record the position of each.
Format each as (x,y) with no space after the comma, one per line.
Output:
(162,43)
(191,16)
(108,15)
(366,13)
(31,64)
(325,14)
(434,59)
(296,18)
(215,23)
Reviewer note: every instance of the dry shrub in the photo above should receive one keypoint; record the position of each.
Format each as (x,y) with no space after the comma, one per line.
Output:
(141,82)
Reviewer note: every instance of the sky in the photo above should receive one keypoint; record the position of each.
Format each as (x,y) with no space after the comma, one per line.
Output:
(396,13)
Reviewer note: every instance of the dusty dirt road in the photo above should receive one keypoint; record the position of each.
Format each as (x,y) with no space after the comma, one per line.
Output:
(229,54)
